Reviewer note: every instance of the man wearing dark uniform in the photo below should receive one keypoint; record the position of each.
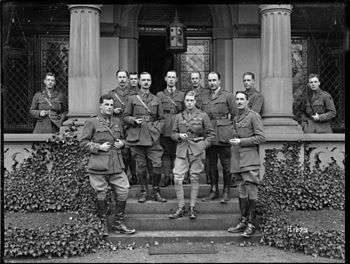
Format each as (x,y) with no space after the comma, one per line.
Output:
(49,107)
(134,82)
(193,131)
(120,96)
(248,135)
(256,99)
(199,90)
(172,103)
(103,137)
(143,115)
(318,108)
(220,107)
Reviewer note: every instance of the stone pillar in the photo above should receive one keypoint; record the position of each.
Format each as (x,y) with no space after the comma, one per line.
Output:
(128,48)
(276,69)
(223,60)
(84,76)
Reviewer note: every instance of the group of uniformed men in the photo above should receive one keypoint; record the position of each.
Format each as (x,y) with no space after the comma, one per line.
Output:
(175,133)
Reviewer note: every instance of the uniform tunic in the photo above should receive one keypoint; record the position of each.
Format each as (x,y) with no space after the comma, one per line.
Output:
(97,131)
(249,129)
(256,100)
(148,132)
(321,103)
(221,108)
(200,93)
(56,104)
(120,98)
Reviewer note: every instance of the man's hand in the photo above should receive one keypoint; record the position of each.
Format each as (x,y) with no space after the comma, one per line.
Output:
(183,136)
(235,141)
(118,144)
(43,113)
(138,121)
(117,110)
(105,146)
(316,117)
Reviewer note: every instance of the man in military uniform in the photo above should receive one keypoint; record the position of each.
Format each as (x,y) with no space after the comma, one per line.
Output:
(199,90)
(249,134)
(120,96)
(134,82)
(172,103)
(256,99)
(220,107)
(49,107)
(318,108)
(144,114)
(193,131)
(103,137)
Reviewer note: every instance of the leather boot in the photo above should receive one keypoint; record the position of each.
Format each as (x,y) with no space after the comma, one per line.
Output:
(243,206)
(156,195)
(250,229)
(119,217)
(143,196)
(213,194)
(225,196)
(144,187)
(101,206)
(179,213)
(156,190)
(193,213)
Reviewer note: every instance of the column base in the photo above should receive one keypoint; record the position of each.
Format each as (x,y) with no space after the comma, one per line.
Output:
(281,125)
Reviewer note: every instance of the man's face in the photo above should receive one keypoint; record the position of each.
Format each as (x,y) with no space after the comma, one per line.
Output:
(190,102)
(122,79)
(195,79)
(213,81)
(248,81)
(134,80)
(170,79)
(106,107)
(241,101)
(314,83)
(49,81)
(145,81)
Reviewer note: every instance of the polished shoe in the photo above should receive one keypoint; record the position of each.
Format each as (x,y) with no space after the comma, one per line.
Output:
(193,213)
(238,228)
(249,231)
(143,197)
(212,196)
(122,228)
(179,213)
(119,219)
(158,198)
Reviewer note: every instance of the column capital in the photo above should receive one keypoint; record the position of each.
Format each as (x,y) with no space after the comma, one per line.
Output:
(275,8)
(83,7)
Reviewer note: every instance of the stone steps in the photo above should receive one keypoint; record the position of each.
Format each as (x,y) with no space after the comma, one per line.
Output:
(141,238)
(151,222)
(169,191)
(212,207)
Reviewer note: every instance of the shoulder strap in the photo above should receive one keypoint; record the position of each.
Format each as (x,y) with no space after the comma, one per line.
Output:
(116,95)
(143,103)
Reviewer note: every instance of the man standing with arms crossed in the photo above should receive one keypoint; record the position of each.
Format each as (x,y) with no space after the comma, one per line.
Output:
(249,134)
(221,108)
(120,96)
(103,137)
(143,115)
(193,131)
(172,103)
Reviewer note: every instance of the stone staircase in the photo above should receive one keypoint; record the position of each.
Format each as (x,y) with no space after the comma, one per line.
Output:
(152,224)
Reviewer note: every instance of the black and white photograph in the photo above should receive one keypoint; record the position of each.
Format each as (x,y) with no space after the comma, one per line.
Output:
(173,132)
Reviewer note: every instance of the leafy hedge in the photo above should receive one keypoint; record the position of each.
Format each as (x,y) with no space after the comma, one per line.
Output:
(288,186)
(65,187)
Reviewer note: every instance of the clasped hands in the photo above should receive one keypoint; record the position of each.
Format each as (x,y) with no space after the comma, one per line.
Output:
(106,146)
(316,117)
(235,141)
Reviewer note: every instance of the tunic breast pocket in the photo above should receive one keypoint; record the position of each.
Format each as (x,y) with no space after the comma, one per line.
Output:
(102,135)
(244,129)
(319,107)
(183,127)
(197,127)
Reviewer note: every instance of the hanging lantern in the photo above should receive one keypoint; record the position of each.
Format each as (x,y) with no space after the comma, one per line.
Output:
(176,36)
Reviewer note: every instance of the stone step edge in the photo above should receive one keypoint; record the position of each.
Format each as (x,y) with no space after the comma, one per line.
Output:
(164,215)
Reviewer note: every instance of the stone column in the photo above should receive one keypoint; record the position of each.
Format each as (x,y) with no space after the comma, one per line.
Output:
(84,76)
(276,70)
(128,48)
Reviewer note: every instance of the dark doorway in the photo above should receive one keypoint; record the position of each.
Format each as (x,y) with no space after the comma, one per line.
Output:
(155,59)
